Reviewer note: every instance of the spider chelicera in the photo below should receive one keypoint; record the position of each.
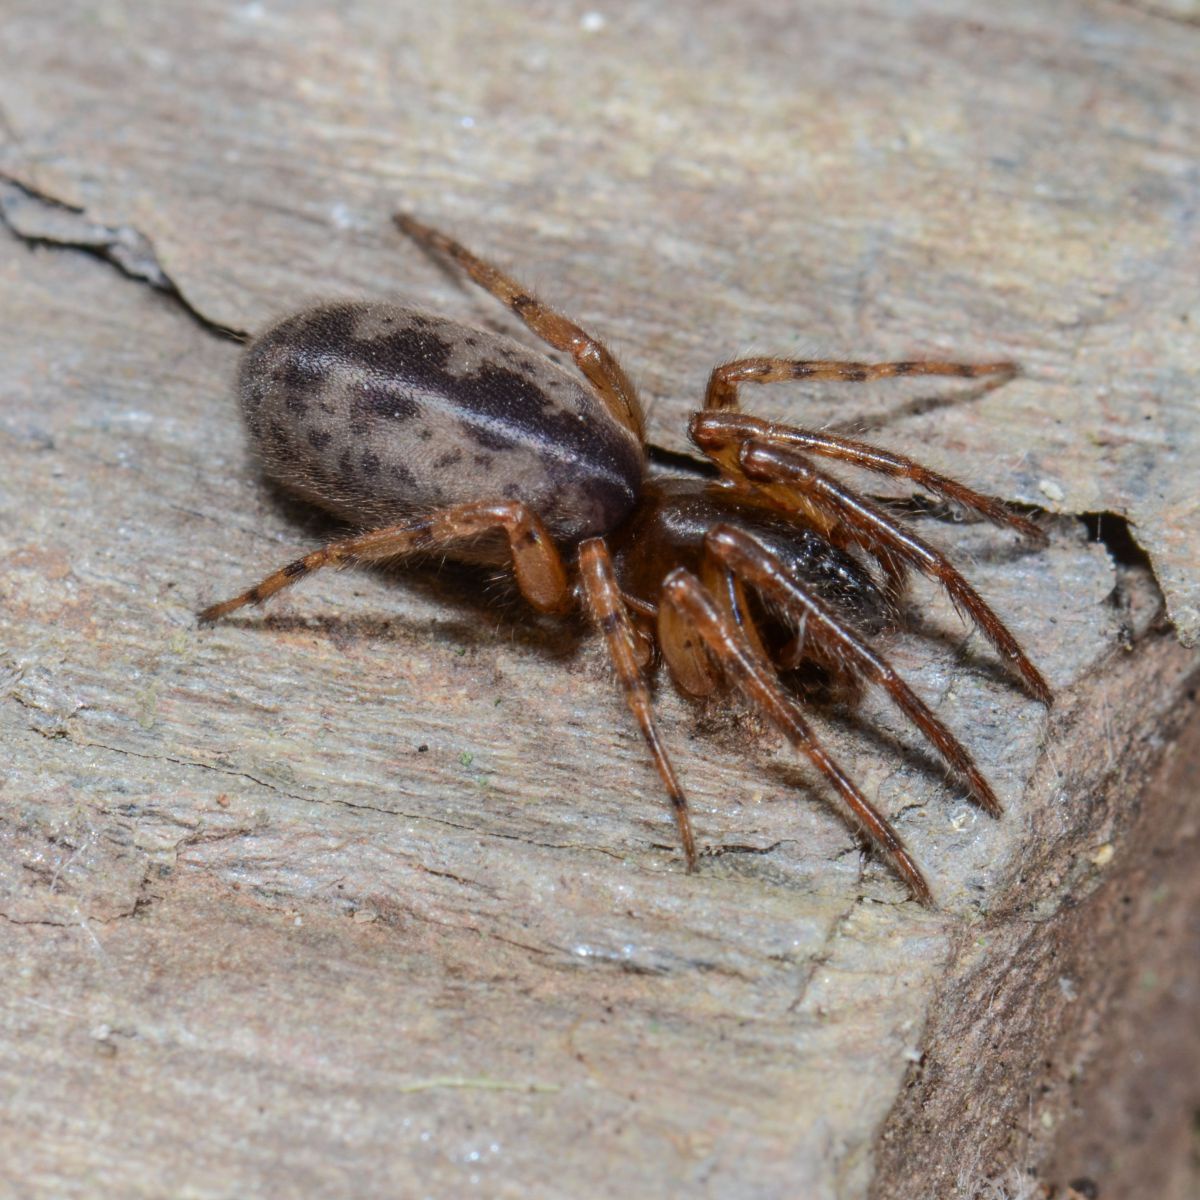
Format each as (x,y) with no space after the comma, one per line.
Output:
(435,437)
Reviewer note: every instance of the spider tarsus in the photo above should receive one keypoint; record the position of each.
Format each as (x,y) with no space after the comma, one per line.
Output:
(899,859)
(409,224)
(1035,681)
(983,795)
(887,842)
(1010,369)
(920,889)
(214,612)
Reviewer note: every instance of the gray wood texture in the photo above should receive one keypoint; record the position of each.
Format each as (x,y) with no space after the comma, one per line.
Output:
(374,892)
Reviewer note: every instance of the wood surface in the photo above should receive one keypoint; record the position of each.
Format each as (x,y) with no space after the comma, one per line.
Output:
(374,892)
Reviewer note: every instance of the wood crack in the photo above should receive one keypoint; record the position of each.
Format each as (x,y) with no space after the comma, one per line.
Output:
(39,219)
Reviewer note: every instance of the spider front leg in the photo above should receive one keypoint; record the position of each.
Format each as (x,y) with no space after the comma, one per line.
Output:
(791,484)
(733,654)
(591,356)
(608,610)
(539,569)
(723,383)
(712,431)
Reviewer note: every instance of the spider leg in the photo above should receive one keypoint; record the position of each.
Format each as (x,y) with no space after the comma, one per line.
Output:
(733,654)
(717,429)
(725,587)
(793,484)
(895,579)
(724,381)
(745,555)
(539,569)
(591,357)
(608,611)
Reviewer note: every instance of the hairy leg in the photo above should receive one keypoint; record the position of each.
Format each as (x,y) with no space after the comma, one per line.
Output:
(712,431)
(724,381)
(539,569)
(794,485)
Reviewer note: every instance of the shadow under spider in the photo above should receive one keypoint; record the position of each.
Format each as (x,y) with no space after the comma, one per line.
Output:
(892,747)
(492,612)
(846,719)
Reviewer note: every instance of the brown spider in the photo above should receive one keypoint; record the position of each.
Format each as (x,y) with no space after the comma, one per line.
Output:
(435,437)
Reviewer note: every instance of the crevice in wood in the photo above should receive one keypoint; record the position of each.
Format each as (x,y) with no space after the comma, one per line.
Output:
(39,219)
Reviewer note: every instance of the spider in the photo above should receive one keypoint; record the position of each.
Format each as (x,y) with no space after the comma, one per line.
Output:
(434,437)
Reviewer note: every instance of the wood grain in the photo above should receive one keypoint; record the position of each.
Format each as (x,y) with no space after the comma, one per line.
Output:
(375,892)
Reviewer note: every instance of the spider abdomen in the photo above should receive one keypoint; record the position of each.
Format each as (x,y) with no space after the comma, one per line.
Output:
(378,413)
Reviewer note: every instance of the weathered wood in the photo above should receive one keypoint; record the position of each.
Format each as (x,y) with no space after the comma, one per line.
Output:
(376,893)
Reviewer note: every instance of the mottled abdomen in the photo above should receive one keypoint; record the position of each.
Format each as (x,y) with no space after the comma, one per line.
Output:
(378,413)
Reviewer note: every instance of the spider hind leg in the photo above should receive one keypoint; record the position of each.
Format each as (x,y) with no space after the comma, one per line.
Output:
(540,573)
(592,357)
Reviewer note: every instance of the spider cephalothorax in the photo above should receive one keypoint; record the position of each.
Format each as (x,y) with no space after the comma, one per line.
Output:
(435,437)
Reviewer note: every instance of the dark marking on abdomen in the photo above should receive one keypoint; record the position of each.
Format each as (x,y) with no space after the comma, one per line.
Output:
(358,375)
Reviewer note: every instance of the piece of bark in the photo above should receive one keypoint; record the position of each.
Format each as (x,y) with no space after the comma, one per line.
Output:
(376,892)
